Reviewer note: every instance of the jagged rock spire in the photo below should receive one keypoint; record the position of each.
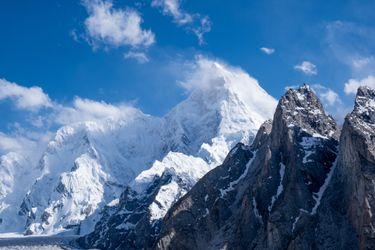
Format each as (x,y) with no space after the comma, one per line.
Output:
(301,107)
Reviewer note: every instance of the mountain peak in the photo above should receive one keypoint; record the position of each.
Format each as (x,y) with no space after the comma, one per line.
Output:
(302,108)
(223,102)
(362,118)
(365,104)
(301,97)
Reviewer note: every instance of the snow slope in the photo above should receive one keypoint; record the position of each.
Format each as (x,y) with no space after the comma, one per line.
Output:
(88,164)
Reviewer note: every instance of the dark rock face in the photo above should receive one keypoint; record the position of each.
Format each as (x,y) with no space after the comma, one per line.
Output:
(276,193)
(347,211)
(357,166)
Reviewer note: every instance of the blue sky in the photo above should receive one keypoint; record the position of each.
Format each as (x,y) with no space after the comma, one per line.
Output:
(53,44)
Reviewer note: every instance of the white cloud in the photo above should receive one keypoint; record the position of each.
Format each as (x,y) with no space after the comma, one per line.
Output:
(327,95)
(30,141)
(332,102)
(89,110)
(359,63)
(193,22)
(307,68)
(140,57)
(115,27)
(267,51)
(173,8)
(353,84)
(331,97)
(32,98)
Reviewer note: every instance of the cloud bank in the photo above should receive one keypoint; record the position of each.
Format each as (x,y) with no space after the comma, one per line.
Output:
(29,135)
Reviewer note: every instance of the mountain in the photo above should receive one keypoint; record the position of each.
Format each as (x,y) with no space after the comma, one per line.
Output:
(91,164)
(296,187)
(222,115)
(264,191)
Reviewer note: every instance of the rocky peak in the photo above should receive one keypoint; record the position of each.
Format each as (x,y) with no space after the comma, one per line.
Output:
(301,107)
(364,107)
(361,123)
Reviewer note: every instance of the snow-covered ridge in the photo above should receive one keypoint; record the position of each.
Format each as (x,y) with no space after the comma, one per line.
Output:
(88,164)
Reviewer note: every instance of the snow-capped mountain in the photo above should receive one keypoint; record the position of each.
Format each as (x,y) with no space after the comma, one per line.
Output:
(220,114)
(89,164)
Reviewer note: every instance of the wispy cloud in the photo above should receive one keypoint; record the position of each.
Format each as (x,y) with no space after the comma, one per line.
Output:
(360,63)
(307,68)
(192,22)
(267,51)
(107,26)
(352,85)
(327,95)
(201,29)
(32,98)
(332,101)
(353,45)
(173,8)
(140,57)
